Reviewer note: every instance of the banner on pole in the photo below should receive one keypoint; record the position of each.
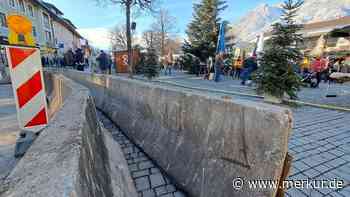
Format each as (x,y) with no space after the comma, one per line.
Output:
(28,87)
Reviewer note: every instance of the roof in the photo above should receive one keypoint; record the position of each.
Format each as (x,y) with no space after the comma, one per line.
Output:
(68,24)
(319,28)
(65,22)
(336,23)
(51,6)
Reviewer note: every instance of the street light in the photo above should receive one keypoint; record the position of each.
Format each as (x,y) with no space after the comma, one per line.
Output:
(133,26)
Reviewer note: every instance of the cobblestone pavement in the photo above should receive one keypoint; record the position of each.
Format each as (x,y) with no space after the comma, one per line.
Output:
(320,145)
(149,180)
(8,130)
(317,96)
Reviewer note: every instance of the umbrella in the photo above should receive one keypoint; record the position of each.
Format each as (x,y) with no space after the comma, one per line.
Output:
(221,40)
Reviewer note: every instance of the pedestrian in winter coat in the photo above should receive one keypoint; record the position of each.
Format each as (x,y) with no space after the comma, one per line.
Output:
(317,66)
(103,61)
(238,67)
(219,65)
(69,58)
(249,66)
(79,60)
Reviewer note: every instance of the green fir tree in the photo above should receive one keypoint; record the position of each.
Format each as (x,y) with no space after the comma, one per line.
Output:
(276,75)
(203,31)
(151,66)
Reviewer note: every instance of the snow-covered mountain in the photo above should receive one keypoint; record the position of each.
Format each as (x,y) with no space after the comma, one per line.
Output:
(260,19)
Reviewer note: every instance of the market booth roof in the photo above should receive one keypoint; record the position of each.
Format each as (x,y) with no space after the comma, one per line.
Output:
(341,32)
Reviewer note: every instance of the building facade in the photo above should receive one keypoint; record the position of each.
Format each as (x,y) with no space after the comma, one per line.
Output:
(51,30)
(312,34)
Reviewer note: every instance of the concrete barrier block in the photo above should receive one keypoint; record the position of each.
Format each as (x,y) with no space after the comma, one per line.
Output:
(73,157)
(203,142)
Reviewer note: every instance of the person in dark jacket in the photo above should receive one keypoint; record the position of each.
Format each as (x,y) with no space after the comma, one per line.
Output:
(69,58)
(103,61)
(219,65)
(249,66)
(79,60)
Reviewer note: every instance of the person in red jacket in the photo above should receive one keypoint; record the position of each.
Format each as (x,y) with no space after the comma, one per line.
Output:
(318,66)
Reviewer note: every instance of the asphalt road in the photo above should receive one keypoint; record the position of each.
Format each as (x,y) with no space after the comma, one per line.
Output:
(8,130)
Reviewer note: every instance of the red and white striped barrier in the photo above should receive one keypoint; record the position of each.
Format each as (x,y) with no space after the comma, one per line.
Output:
(28,87)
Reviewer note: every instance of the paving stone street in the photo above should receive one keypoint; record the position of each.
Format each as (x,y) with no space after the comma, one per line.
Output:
(149,180)
(312,95)
(320,145)
(8,130)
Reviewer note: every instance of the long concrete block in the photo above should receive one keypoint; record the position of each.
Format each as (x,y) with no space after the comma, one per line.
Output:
(203,142)
(74,156)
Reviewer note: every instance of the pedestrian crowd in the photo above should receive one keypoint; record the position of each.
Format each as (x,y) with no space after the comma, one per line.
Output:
(78,60)
(240,68)
(321,67)
(311,69)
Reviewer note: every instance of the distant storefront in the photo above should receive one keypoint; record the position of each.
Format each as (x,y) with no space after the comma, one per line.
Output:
(314,33)
(121,60)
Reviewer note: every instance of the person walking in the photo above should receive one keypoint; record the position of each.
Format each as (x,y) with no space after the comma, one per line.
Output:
(317,67)
(169,62)
(209,66)
(79,60)
(238,68)
(249,66)
(69,58)
(219,65)
(103,62)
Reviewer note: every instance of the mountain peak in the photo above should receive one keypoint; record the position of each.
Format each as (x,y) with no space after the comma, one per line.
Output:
(260,19)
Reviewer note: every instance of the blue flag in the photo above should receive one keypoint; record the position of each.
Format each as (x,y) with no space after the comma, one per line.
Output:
(221,48)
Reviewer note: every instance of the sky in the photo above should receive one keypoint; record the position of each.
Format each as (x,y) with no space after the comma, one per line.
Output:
(94,21)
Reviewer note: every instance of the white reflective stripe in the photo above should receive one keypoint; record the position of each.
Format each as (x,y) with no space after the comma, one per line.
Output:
(32,108)
(25,70)
(21,74)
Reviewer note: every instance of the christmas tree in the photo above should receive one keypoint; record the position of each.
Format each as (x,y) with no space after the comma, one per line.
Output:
(203,31)
(151,67)
(276,76)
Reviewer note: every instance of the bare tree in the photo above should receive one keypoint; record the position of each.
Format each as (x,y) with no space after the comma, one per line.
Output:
(151,39)
(165,24)
(174,45)
(128,5)
(118,38)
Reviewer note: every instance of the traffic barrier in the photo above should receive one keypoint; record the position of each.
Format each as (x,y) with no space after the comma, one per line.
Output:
(203,142)
(28,85)
(74,156)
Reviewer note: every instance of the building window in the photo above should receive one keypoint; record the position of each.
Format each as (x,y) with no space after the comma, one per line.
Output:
(31,10)
(21,6)
(46,21)
(48,36)
(12,3)
(3,22)
(34,31)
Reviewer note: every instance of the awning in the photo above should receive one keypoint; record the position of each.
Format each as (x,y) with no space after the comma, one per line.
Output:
(342,32)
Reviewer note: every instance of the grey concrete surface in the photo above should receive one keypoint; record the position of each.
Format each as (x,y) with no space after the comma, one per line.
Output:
(73,157)
(320,141)
(200,141)
(4,75)
(9,130)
